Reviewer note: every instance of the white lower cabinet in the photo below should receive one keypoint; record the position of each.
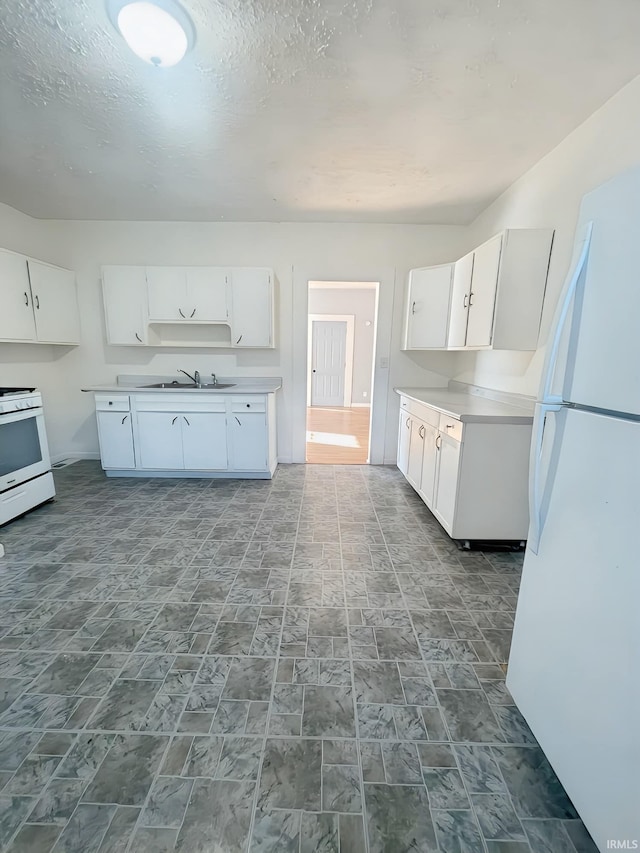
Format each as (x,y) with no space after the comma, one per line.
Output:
(446,484)
(248,440)
(204,441)
(160,440)
(196,434)
(404,439)
(472,476)
(429,464)
(116,440)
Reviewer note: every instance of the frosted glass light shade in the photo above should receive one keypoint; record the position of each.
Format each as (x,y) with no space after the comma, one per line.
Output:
(159,33)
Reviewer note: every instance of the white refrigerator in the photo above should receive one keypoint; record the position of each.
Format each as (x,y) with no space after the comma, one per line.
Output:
(574,667)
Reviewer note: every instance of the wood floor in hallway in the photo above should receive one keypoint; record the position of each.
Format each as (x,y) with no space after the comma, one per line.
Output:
(338,436)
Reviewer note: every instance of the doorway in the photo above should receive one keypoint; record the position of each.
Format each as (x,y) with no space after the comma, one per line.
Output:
(341,346)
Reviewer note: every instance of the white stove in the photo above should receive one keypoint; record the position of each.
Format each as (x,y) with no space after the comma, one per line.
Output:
(25,468)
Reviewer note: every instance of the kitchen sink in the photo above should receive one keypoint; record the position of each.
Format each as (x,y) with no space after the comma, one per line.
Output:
(210,387)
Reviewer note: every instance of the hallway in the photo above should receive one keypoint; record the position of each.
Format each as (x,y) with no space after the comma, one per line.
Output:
(338,436)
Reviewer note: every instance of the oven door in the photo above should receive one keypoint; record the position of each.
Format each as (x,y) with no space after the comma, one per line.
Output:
(23,447)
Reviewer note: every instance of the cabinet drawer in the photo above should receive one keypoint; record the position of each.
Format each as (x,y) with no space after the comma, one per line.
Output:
(115,403)
(420,411)
(248,404)
(451,427)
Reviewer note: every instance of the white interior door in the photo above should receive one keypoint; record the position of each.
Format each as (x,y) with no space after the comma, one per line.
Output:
(328,362)
(573,668)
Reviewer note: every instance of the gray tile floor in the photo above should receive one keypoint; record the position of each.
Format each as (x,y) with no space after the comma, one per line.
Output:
(307,664)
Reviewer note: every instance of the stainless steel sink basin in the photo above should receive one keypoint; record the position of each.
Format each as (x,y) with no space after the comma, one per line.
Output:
(210,387)
(218,385)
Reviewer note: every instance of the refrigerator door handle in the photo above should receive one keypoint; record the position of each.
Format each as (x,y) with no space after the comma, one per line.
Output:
(535,485)
(560,319)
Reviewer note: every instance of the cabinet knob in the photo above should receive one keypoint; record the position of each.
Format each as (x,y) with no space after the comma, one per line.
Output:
(111,402)
(248,405)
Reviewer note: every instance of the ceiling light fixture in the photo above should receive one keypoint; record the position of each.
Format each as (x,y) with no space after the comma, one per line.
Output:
(159,32)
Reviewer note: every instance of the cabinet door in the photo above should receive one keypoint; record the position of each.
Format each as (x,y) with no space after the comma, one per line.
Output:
(160,440)
(447,478)
(116,440)
(416,447)
(484,282)
(207,294)
(429,460)
(428,307)
(251,307)
(125,305)
(248,439)
(17,322)
(459,313)
(404,437)
(204,441)
(167,288)
(56,304)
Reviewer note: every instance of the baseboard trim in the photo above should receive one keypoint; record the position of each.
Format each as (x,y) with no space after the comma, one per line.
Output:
(74,457)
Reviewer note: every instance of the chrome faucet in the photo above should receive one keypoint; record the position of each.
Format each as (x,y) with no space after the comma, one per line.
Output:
(195,378)
(214,381)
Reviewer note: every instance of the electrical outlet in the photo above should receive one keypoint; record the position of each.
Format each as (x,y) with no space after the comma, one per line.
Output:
(364,394)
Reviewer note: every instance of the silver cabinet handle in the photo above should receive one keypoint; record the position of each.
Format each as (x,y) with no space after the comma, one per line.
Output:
(26,298)
(193,312)
(421,431)
(181,314)
(174,420)
(239,339)
(408,423)
(239,424)
(413,308)
(37,300)
(438,441)
(464,304)
(449,426)
(138,337)
(470,300)
(187,422)
(124,418)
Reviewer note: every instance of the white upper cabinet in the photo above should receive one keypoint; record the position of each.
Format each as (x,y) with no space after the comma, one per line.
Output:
(17,322)
(482,296)
(495,296)
(428,307)
(38,302)
(207,294)
(125,305)
(251,307)
(167,293)
(462,271)
(56,304)
(200,306)
(188,293)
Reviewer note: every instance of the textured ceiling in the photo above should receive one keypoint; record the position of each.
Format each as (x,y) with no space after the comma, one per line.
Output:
(324,110)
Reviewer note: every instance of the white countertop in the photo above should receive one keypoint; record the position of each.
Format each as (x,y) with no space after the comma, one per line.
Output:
(244,385)
(470,408)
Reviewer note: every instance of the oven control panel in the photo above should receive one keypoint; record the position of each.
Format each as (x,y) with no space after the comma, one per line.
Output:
(20,402)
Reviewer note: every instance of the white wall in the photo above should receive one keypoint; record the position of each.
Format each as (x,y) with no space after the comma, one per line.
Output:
(297,252)
(549,195)
(362,304)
